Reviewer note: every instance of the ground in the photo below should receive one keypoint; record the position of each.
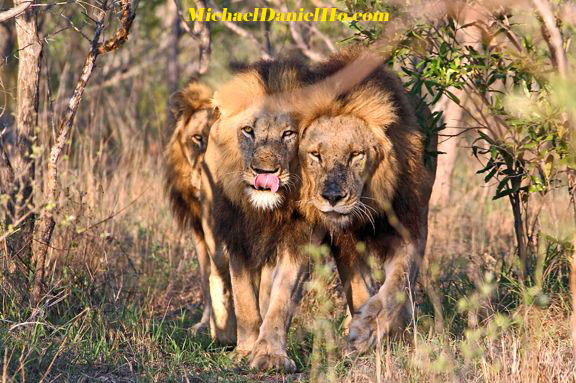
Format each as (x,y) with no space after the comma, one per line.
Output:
(126,292)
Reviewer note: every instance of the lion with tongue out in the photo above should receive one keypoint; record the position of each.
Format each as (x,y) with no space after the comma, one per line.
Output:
(249,193)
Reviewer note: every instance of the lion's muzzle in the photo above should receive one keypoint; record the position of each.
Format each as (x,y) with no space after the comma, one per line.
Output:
(333,193)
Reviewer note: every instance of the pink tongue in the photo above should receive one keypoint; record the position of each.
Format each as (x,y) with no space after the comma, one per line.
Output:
(267,181)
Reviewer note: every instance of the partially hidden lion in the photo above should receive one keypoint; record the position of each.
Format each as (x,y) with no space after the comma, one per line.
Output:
(250,186)
(184,155)
(367,178)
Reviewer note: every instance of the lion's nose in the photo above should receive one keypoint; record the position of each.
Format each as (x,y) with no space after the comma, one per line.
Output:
(267,170)
(333,196)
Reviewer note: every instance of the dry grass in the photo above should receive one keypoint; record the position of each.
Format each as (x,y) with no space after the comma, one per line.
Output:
(125,290)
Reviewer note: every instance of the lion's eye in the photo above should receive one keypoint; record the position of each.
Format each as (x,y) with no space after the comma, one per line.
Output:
(198,138)
(356,155)
(315,156)
(248,131)
(288,134)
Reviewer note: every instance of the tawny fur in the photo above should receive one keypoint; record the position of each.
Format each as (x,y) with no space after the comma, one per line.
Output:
(401,183)
(250,92)
(180,174)
(184,157)
(252,238)
(389,177)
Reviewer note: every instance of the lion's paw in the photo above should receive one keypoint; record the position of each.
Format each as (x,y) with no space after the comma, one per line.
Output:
(362,335)
(240,355)
(273,362)
(202,327)
(366,327)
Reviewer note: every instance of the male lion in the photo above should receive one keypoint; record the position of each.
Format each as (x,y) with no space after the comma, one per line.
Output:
(250,193)
(364,179)
(184,155)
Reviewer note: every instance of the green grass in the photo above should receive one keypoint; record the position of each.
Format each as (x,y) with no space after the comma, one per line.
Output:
(124,294)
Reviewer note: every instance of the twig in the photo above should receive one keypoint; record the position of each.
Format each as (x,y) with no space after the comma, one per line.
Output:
(183,22)
(242,33)
(46,223)
(323,37)
(13,12)
(296,34)
(121,35)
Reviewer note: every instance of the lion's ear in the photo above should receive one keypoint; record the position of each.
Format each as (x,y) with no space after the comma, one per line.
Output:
(193,97)
(215,115)
(178,104)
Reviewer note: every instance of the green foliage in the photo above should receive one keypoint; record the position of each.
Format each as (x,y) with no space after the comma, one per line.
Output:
(519,126)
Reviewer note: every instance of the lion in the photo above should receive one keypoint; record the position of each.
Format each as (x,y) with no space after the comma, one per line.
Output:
(184,155)
(250,185)
(365,179)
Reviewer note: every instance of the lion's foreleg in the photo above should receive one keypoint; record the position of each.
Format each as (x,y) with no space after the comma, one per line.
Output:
(386,311)
(204,263)
(356,281)
(222,320)
(266,279)
(245,283)
(270,348)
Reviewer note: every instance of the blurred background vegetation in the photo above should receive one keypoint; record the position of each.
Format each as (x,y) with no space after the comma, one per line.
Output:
(120,286)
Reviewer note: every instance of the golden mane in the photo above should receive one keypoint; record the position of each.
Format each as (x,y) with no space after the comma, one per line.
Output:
(382,103)
(258,84)
(179,173)
(251,91)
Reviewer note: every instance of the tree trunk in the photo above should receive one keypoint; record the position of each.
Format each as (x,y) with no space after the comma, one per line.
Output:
(174,33)
(20,152)
(448,146)
(515,201)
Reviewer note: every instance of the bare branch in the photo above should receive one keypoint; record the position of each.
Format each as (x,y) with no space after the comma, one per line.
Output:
(183,22)
(121,35)
(553,36)
(296,34)
(45,226)
(323,37)
(202,31)
(243,33)
(13,12)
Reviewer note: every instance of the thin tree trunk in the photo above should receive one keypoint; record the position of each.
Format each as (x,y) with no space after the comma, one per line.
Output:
(174,33)
(20,154)
(448,146)
(45,225)
(520,235)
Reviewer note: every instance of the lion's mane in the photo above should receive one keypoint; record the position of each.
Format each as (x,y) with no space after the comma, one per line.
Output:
(400,185)
(247,230)
(179,173)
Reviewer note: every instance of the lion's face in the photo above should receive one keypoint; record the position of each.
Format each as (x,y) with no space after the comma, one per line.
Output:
(194,130)
(337,155)
(268,144)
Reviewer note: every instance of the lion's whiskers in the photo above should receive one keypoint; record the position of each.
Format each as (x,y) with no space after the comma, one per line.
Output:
(362,208)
